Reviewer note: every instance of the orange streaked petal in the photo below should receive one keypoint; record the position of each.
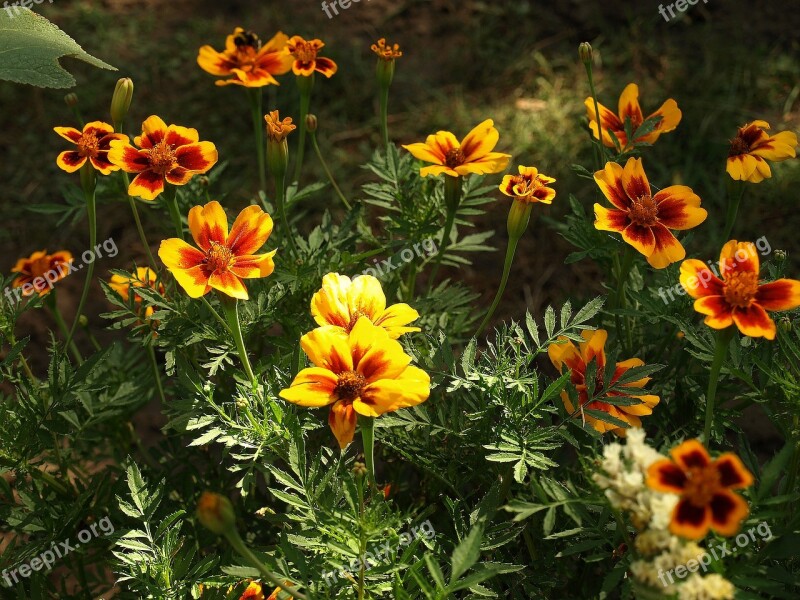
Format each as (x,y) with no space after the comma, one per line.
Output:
(411,388)
(776,148)
(342,420)
(68,133)
(179,176)
(153,131)
(754,321)
(70,161)
(670,118)
(177,254)
(565,353)
(147,185)
(128,158)
(719,312)
(667,249)
(255,78)
(438,170)
(665,476)
(250,266)
(610,122)
(229,284)
(634,179)
(480,141)
(728,510)
(250,231)
(365,296)
(690,454)
(609,179)
(199,157)
(374,354)
(208,224)
(194,281)
(739,257)
(312,387)
(493,162)
(641,238)
(698,280)
(214,62)
(594,346)
(783,294)
(425,152)
(679,208)
(180,136)
(610,219)
(690,521)
(395,318)
(325,66)
(733,474)
(327,347)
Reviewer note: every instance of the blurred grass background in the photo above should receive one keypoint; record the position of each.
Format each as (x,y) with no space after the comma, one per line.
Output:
(464,60)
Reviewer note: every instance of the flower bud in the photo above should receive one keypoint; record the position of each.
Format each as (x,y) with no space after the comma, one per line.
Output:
(387,54)
(518,217)
(785,324)
(83,320)
(780,256)
(215,512)
(311,123)
(277,147)
(203,180)
(585,52)
(359,469)
(71,100)
(121,101)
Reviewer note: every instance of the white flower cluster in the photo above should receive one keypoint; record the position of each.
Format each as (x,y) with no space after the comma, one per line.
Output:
(623,476)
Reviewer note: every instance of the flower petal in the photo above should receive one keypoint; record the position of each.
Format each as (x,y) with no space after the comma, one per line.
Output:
(342,420)
(783,294)
(698,280)
(665,476)
(128,158)
(375,355)
(667,250)
(565,353)
(250,231)
(690,454)
(733,474)
(610,219)
(199,157)
(629,105)
(609,179)
(147,185)
(153,132)
(395,318)
(593,348)
(214,62)
(690,521)
(480,141)
(754,321)
(208,224)
(327,347)
(70,161)
(325,66)
(641,238)
(411,388)
(719,312)
(312,387)
(229,284)
(250,266)
(634,179)
(728,510)
(68,133)
(739,257)
(679,208)
(180,136)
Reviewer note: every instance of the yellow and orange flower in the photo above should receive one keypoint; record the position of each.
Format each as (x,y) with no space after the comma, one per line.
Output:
(38,272)
(224,259)
(342,302)
(386,52)
(246,61)
(173,154)
(529,186)
(306,60)
(93,145)
(144,278)
(362,373)
(278,129)
(753,147)
(473,155)
(629,109)
(565,354)
(704,485)
(645,219)
(254,591)
(738,297)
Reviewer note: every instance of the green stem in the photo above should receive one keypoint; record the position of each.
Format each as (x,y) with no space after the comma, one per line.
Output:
(452,198)
(156,374)
(318,152)
(384,101)
(238,544)
(230,307)
(367,425)
(733,212)
(171,195)
(510,251)
(216,315)
(304,84)
(256,103)
(620,299)
(139,227)
(720,352)
(88,183)
(411,281)
(53,306)
(599,154)
(280,203)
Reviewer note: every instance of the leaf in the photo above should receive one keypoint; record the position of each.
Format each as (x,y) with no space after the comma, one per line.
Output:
(30,47)
(467,552)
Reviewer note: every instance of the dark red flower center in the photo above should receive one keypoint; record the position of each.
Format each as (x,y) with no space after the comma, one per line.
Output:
(305,52)
(218,257)
(644,211)
(349,386)
(454,157)
(162,158)
(738,147)
(741,288)
(88,145)
(701,485)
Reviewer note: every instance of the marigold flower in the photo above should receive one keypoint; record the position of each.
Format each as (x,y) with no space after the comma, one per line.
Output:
(385,51)
(278,129)
(38,272)
(275,595)
(93,145)
(528,186)
(342,302)
(753,146)
(306,61)
(577,359)
(473,155)
(254,591)
(144,278)
(629,109)
(246,61)
(738,297)
(172,154)
(224,259)
(643,218)
(363,372)
(704,486)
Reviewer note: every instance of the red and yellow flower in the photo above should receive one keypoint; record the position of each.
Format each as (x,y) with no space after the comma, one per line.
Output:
(565,354)
(305,57)
(629,108)
(385,51)
(38,272)
(363,372)
(171,154)
(704,485)
(342,302)
(753,147)
(246,61)
(254,591)
(93,145)
(529,186)
(144,278)
(223,258)
(738,297)
(644,219)
(474,154)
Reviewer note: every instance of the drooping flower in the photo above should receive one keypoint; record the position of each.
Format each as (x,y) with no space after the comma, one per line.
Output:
(529,186)
(38,272)
(386,52)
(704,485)
(172,154)
(306,60)
(629,108)
(645,219)
(737,296)
(565,354)
(93,145)
(224,259)
(361,373)
(246,61)
(753,147)
(144,278)
(473,155)
(254,591)
(342,302)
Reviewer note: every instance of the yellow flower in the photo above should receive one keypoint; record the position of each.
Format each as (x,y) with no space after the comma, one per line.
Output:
(245,60)
(144,278)
(40,271)
(278,129)
(360,373)
(473,155)
(385,51)
(254,591)
(93,144)
(629,108)
(528,186)
(752,147)
(224,259)
(342,302)
(306,61)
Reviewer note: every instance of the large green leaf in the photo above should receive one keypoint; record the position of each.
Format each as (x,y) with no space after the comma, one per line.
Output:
(30,47)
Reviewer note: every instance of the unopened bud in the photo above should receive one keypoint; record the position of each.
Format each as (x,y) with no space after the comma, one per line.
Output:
(585,52)
(83,320)
(121,101)
(518,217)
(311,123)
(780,256)
(215,512)
(71,99)
(785,324)
(359,469)
(203,181)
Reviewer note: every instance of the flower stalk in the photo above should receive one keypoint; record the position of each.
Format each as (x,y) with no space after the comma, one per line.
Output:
(305,83)
(230,308)
(311,123)
(724,338)
(256,103)
(452,200)
(367,425)
(172,204)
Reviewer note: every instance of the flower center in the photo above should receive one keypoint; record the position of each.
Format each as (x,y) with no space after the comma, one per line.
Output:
(738,146)
(454,157)
(40,266)
(355,317)
(305,52)
(741,288)
(349,386)
(644,211)
(88,145)
(702,483)
(162,158)
(218,257)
